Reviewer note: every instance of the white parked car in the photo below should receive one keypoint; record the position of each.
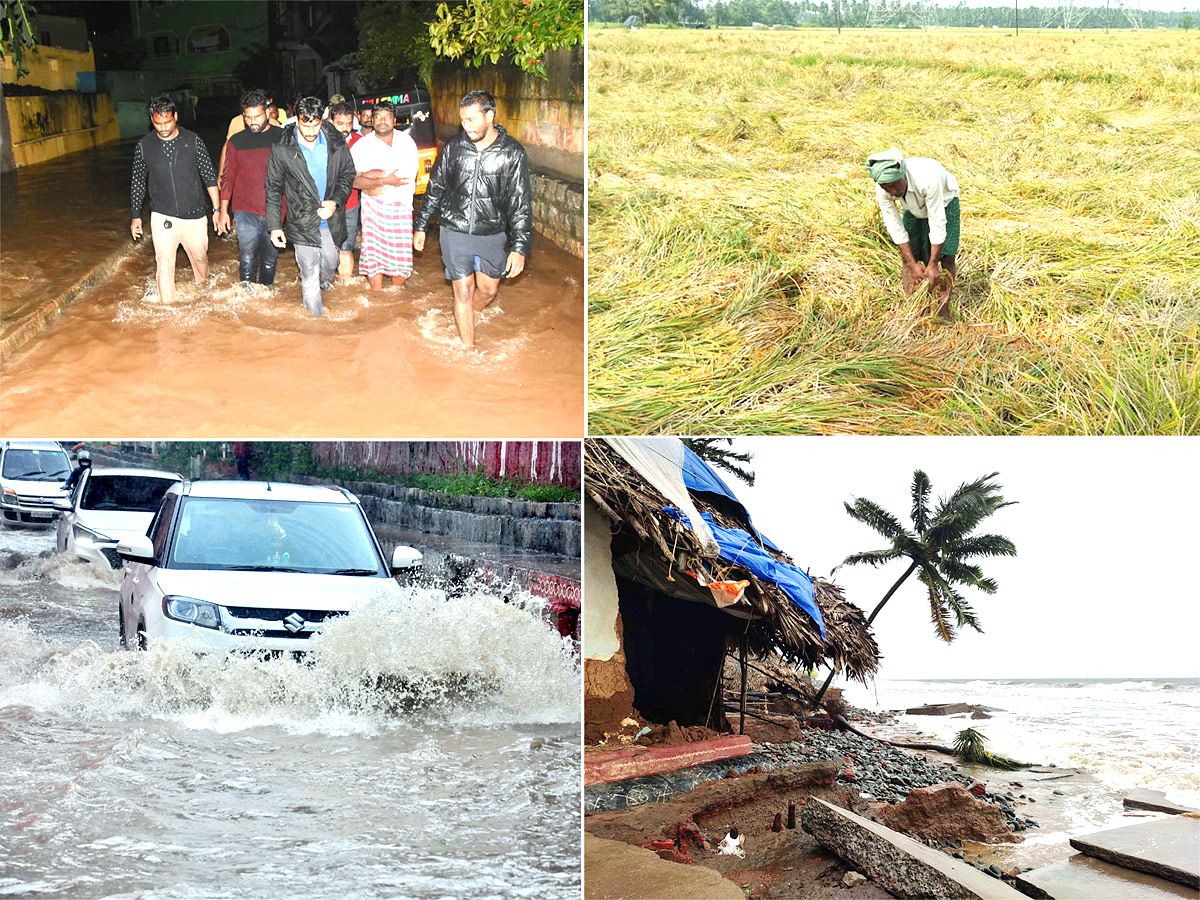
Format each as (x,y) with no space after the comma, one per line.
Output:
(31,480)
(107,506)
(243,565)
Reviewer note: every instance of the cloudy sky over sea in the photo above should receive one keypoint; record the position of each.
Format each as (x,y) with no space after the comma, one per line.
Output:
(1104,581)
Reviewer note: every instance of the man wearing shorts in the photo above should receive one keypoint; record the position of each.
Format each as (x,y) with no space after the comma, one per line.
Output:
(174,165)
(479,189)
(385,163)
(927,233)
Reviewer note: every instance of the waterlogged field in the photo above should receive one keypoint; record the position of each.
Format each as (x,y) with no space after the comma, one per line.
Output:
(741,281)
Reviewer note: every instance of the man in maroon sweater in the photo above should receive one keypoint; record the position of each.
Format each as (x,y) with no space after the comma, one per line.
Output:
(244,187)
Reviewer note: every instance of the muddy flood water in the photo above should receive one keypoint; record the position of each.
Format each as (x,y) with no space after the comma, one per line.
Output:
(161,774)
(224,358)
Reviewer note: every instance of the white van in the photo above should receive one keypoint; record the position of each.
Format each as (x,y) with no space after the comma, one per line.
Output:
(31,478)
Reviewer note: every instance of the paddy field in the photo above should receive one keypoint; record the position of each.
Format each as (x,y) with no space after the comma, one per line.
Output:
(740,279)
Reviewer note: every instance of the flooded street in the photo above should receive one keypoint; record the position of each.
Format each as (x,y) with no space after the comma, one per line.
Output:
(225,358)
(161,774)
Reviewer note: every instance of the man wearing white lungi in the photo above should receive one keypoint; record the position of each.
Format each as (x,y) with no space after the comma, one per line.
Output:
(385,162)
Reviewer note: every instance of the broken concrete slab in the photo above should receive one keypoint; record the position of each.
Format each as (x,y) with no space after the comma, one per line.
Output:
(950,709)
(900,865)
(614,870)
(636,763)
(1082,877)
(1163,847)
(1156,801)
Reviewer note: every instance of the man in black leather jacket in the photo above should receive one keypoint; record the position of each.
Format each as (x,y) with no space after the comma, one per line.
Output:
(311,165)
(479,189)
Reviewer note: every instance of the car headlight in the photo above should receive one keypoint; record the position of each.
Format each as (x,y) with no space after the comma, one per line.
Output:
(192,611)
(88,539)
(10,496)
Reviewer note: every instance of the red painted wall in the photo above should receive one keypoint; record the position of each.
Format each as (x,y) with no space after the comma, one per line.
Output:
(542,462)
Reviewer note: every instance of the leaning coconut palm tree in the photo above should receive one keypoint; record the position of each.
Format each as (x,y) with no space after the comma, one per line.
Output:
(938,548)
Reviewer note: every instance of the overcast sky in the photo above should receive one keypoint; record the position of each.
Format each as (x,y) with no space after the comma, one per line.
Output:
(1104,583)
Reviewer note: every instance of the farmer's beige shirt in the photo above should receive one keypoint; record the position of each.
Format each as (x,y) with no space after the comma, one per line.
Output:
(930,188)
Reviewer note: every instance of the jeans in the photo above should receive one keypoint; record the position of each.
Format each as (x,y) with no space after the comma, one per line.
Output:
(317,265)
(256,254)
(351,228)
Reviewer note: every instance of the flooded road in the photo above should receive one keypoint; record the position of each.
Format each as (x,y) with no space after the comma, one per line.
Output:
(224,358)
(159,774)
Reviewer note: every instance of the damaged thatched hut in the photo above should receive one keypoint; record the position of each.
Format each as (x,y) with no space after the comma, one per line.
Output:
(676,575)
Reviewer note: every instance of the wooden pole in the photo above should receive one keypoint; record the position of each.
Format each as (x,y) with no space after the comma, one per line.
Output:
(742,726)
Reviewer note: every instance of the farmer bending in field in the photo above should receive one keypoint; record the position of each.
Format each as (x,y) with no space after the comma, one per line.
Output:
(927,234)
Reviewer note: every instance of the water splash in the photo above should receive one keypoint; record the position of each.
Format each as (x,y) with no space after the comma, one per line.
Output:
(466,660)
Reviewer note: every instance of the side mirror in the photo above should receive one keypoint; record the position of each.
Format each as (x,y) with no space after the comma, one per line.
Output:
(137,549)
(404,558)
(63,504)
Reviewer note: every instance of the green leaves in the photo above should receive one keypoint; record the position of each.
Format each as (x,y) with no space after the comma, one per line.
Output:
(522,31)
(17,34)
(920,501)
(971,747)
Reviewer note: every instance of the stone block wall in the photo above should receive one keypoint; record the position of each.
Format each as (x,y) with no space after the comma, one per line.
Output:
(558,213)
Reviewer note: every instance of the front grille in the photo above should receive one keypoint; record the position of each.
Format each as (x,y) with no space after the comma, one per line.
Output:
(254,632)
(278,615)
(113,559)
(31,500)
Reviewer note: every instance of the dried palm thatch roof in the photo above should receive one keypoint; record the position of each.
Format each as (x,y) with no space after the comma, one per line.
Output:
(660,542)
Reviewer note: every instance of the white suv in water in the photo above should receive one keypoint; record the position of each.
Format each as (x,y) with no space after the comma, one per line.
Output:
(240,565)
(32,474)
(106,506)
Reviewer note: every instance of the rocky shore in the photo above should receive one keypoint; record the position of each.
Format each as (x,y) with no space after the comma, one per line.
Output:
(877,771)
(919,793)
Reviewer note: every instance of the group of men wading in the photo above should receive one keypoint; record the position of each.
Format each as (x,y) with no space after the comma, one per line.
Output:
(316,182)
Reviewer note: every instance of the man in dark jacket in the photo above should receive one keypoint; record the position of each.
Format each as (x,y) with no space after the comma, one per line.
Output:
(243,185)
(312,166)
(479,188)
(174,164)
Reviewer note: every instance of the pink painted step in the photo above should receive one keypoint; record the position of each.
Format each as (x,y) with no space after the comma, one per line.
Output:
(621,764)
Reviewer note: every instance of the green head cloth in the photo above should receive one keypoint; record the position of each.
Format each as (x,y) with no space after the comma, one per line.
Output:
(887,167)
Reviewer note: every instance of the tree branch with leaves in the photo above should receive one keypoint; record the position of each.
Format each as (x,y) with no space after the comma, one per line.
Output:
(518,31)
(18,34)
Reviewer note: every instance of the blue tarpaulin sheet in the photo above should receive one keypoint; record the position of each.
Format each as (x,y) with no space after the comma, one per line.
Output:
(699,476)
(739,547)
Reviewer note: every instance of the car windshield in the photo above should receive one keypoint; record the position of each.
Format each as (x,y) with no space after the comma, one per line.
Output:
(36,465)
(266,535)
(128,493)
